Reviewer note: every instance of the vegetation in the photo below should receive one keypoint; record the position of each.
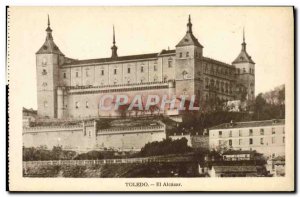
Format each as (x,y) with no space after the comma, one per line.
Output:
(270,105)
(42,154)
(167,146)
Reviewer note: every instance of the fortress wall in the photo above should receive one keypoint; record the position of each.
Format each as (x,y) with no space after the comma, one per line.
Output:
(84,137)
(129,141)
(68,137)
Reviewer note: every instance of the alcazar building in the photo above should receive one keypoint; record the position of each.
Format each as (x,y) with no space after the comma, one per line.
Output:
(71,88)
(69,93)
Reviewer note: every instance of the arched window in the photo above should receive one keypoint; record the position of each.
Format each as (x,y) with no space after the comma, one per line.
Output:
(185,74)
(217,85)
(76,104)
(205,69)
(206,83)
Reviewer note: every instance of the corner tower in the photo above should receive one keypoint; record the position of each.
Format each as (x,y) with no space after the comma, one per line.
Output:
(48,59)
(188,56)
(245,74)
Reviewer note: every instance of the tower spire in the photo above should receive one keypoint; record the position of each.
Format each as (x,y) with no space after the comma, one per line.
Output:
(114,39)
(48,21)
(244,42)
(189,25)
(114,48)
(243,34)
(49,30)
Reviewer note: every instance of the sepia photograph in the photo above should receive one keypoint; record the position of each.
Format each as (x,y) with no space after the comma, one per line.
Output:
(154,98)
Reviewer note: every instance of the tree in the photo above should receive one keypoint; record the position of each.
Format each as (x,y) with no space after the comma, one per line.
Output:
(259,105)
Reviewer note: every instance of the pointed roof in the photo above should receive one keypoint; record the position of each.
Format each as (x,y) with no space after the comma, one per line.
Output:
(243,57)
(49,46)
(189,38)
(114,48)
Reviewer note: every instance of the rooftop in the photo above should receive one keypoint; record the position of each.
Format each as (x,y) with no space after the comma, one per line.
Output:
(262,123)
(120,58)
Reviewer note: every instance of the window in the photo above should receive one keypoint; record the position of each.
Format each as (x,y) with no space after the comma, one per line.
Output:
(44,61)
(250,141)
(240,133)
(128,70)
(102,72)
(220,133)
(44,72)
(180,55)
(65,75)
(283,139)
(261,141)
(86,104)
(155,68)
(206,83)
(115,71)
(240,141)
(142,69)
(283,130)
(187,54)
(244,70)
(250,132)
(262,131)
(170,63)
(76,105)
(230,133)
(273,130)
(230,142)
(273,140)
(165,78)
(76,74)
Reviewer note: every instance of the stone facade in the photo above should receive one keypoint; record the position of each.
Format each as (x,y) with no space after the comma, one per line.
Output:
(69,88)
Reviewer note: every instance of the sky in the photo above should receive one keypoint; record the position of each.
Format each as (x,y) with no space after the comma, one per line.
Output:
(86,32)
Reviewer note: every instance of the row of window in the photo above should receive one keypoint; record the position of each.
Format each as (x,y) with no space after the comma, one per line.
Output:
(115,71)
(216,70)
(250,142)
(187,54)
(218,86)
(261,130)
(251,71)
